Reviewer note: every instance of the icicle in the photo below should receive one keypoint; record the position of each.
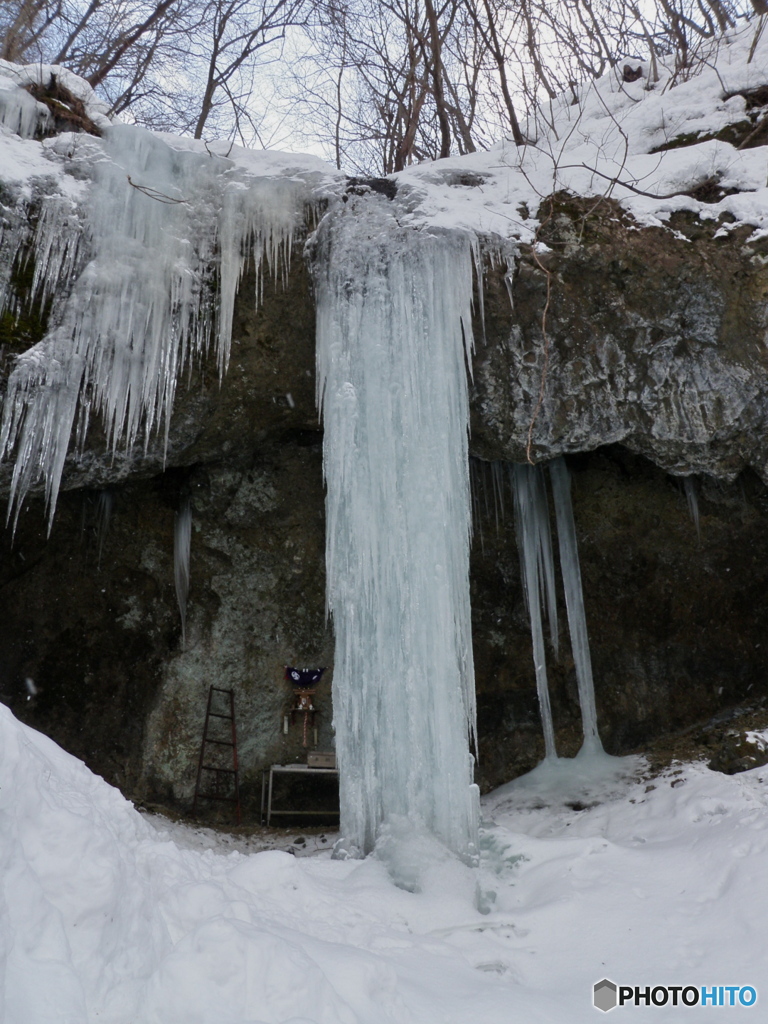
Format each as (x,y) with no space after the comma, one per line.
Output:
(57,250)
(476,518)
(258,221)
(498,481)
(692,497)
(160,221)
(15,234)
(55,245)
(38,414)
(574,601)
(104,506)
(393,337)
(21,112)
(182,538)
(536,562)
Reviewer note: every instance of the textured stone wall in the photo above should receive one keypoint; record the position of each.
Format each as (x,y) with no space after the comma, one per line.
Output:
(677,624)
(657,364)
(658,339)
(100,635)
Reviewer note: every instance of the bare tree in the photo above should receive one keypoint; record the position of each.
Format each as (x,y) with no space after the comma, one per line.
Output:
(236,31)
(379,83)
(23,24)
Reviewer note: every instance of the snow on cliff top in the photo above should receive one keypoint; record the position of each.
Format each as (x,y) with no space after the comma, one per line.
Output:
(65,159)
(606,144)
(21,76)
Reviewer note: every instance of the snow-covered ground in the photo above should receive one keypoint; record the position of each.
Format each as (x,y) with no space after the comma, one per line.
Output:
(644,144)
(106,916)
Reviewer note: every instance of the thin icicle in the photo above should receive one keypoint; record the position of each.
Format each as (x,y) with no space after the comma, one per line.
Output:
(692,497)
(498,481)
(546,561)
(57,249)
(574,601)
(536,562)
(15,233)
(104,507)
(54,245)
(182,540)
(393,338)
(474,485)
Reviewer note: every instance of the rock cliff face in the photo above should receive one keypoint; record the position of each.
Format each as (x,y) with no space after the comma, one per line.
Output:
(90,613)
(656,367)
(657,341)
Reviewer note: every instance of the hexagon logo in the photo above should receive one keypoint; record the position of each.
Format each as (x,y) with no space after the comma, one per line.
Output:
(604,995)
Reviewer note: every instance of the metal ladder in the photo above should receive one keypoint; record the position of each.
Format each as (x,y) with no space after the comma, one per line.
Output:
(219,773)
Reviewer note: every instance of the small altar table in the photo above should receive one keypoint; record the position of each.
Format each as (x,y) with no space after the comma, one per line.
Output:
(267,777)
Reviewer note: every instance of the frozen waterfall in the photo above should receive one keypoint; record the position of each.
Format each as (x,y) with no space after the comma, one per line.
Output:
(393,340)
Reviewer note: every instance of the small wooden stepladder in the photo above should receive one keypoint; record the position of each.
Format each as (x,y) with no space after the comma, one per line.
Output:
(220,774)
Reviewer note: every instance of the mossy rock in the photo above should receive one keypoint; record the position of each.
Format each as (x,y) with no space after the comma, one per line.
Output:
(737,754)
(735,133)
(68,113)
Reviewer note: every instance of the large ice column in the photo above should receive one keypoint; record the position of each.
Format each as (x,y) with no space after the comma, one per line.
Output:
(534,539)
(168,231)
(393,338)
(574,601)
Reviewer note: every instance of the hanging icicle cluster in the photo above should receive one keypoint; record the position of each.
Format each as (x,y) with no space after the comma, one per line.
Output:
(534,541)
(151,280)
(21,112)
(393,340)
(574,600)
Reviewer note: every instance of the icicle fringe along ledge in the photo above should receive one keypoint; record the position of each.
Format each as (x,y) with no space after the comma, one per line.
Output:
(168,232)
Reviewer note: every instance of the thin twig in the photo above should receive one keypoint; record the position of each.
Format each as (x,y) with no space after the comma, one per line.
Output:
(754,133)
(632,188)
(545,335)
(152,193)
